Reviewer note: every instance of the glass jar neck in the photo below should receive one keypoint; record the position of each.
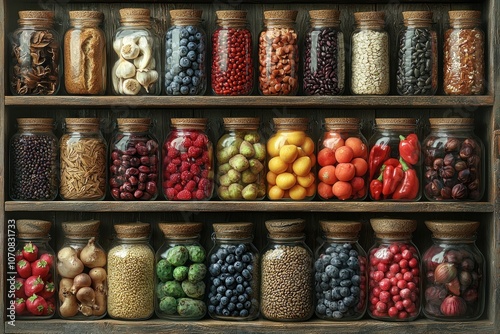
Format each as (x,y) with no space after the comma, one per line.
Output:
(133,128)
(188,128)
(393,128)
(390,239)
(35,128)
(417,23)
(287,239)
(467,23)
(370,24)
(324,23)
(82,129)
(451,128)
(465,240)
(184,21)
(136,21)
(330,239)
(231,240)
(183,240)
(141,240)
(36,23)
(85,22)
(34,239)
(232,23)
(236,127)
(279,23)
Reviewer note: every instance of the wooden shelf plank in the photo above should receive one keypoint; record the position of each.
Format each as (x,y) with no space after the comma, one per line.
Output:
(231,2)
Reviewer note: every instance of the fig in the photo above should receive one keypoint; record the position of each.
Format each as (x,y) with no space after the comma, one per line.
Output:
(234,175)
(470,296)
(445,272)
(247,150)
(224,168)
(248,177)
(235,191)
(453,306)
(250,192)
(252,137)
(239,162)
(224,180)
(255,166)
(435,294)
(454,287)
(465,279)
(226,153)
(260,151)
(467,264)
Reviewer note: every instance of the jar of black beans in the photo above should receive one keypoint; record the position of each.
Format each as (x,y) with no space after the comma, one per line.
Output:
(340,276)
(33,160)
(233,287)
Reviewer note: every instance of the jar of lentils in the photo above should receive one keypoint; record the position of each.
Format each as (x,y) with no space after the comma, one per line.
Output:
(394,271)
(131,273)
(33,160)
(134,161)
(233,287)
(279,54)
(417,55)
(370,55)
(463,56)
(186,53)
(241,159)
(454,287)
(232,61)
(324,54)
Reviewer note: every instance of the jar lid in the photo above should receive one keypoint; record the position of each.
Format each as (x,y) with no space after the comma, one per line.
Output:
(85,14)
(194,123)
(464,14)
(285,228)
(391,228)
(342,122)
(417,14)
(231,14)
(396,123)
(292,122)
(176,14)
(36,14)
(340,229)
(33,228)
(369,16)
(180,230)
(134,12)
(132,230)
(325,14)
(280,14)
(453,122)
(241,122)
(81,229)
(92,122)
(36,122)
(448,229)
(133,121)
(233,230)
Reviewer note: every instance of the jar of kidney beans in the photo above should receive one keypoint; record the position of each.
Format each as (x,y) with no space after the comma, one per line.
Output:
(279,54)
(394,162)
(232,61)
(394,271)
(453,161)
(134,161)
(324,54)
(188,161)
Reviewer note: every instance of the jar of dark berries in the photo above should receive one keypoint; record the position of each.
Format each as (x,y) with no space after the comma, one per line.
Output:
(233,287)
(453,161)
(33,160)
(186,52)
(394,271)
(134,161)
(232,61)
(324,54)
(454,283)
(340,275)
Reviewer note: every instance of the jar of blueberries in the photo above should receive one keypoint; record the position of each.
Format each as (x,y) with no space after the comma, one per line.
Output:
(340,276)
(233,286)
(186,51)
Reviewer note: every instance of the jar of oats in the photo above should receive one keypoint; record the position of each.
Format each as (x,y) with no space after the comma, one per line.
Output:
(131,273)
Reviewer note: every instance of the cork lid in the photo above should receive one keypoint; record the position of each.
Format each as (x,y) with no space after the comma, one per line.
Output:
(444,229)
(134,12)
(369,16)
(325,14)
(231,14)
(390,228)
(33,228)
(233,230)
(342,123)
(285,228)
(241,122)
(132,230)
(417,14)
(36,123)
(280,14)
(139,124)
(191,123)
(465,14)
(340,229)
(36,14)
(180,229)
(396,123)
(176,14)
(81,229)
(82,122)
(292,123)
(85,14)
(451,122)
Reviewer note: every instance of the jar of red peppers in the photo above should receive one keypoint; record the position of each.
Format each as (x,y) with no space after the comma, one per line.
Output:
(394,271)
(188,161)
(342,160)
(394,163)
(232,65)
(453,161)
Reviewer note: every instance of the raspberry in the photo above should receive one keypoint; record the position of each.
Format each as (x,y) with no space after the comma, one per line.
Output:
(194,152)
(178,187)
(186,176)
(201,141)
(176,161)
(175,177)
(172,152)
(204,184)
(199,162)
(193,135)
(187,142)
(169,184)
(184,195)
(171,193)
(200,194)
(196,179)
(195,169)
(205,173)
(184,156)
(171,168)
(185,166)
(190,186)
(205,157)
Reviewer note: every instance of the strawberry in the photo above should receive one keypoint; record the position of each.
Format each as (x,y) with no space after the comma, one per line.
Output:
(48,290)
(51,307)
(36,305)
(23,268)
(20,306)
(30,252)
(49,258)
(184,195)
(40,268)
(19,286)
(33,284)
(19,255)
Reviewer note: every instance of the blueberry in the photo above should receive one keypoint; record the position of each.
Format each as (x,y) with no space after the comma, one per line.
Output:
(229,293)
(342,308)
(191,55)
(223,269)
(345,291)
(238,265)
(325,259)
(319,266)
(343,257)
(333,307)
(231,307)
(337,315)
(240,306)
(224,300)
(338,249)
(216,282)
(332,271)
(327,295)
(246,284)
(349,301)
(169,76)
(335,261)
(334,282)
(356,280)
(234,299)
(175,86)
(191,30)
(195,65)
(186,80)
(192,46)
(321,309)
(240,288)
(191,38)
(218,310)
(250,267)
(169,34)
(229,281)
(355,291)
(242,298)
(184,33)
(230,269)
(328,313)
(190,72)
(198,35)
(223,276)
(211,308)
(184,62)
(183,50)
(221,289)
(353,262)
(214,301)
(231,249)
(324,286)
(241,249)
(246,273)
(344,274)
(230,259)
(193,91)
(247,304)
(336,294)
(325,278)
(183,42)
(218,297)
(346,282)
(353,252)
(330,250)
(249,290)
(240,279)
(244,313)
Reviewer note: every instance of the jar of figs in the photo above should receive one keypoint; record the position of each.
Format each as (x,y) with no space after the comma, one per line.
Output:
(233,287)
(83,152)
(287,272)
(241,157)
(35,291)
(417,72)
(232,61)
(453,161)
(81,268)
(324,54)
(137,64)
(188,161)
(394,162)
(134,161)
(186,54)
(340,275)
(279,54)
(180,273)
(454,284)
(394,271)
(463,55)
(290,161)
(370,55)
(131,273)
(85,54)
(33,160)
(342,160)
(35,67)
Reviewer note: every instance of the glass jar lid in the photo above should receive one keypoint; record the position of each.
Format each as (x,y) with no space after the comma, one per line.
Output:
(452,123)
(185,16)
(339,229)
(44,18)
(396,123)
(324,17)
(449,229)
(33,228)
(393,228)
(43,124)
(464,18)
(285,228)
(133,124)
(86,14)
(417,18)
(237,18)
(342,123)
(233,230)
(294,123)
(189,123)
(135,16)
(132,230)
(370,19)
(180,230)
(88,124)
(241,122)
(81,229)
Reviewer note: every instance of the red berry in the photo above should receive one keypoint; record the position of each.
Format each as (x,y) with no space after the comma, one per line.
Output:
(385,284)
(384,296)
(394,290)
(381,307)
(402,284)
(407,254)
(408,276)
(389,275)
(403,264)
(396,298)
(394,281)
(200,194)
(413,263)
(378,276)
(407,303)
(382,267)
(374,300)
(393,312)
(403,315)
(415,272)
(376,291)
(411,285)
(399,305)
(171,193)
(397,257)
(394,268)
(405,293)
(394,248)
(184,195)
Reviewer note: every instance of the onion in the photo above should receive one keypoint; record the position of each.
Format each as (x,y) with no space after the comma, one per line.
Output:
(93,256)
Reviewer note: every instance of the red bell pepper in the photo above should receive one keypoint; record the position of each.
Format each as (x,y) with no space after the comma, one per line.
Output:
(409,148)
(392,162)
(376,188)
(392,176)
(378,154)
(408,189)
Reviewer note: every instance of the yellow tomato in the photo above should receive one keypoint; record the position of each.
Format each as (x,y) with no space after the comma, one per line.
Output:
(271,178)
(296,138)
(277,166)
(285,180)
(308,146)
(275,193)
(302,166)
(311,190)
(297,192)
(306,181)
(288,153)
(273,145)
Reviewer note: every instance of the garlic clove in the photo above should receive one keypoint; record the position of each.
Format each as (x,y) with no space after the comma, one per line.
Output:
(115,79)
(125,69)
(146,79)
(130,51)
(146,53)
(117,45)
(139,60)
(132,39)
(131,87)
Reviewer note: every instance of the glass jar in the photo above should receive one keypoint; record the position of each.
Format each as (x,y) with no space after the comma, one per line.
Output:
(340,273)
(131,273)
(85,54)
(463,55)
(188,161)
(287,272)
(186,54)
(290,161)
(81,243)
(241,157)
(417,72)
(233,288)
(35,271)
(83,153)
(324,54)
(137,64)
(370,55)
(394,163)
(453,161)
(134,163)
(342,160)
(35,67)
(33,160)
(232,61)
(454,287)
(394,271)
(279,54)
